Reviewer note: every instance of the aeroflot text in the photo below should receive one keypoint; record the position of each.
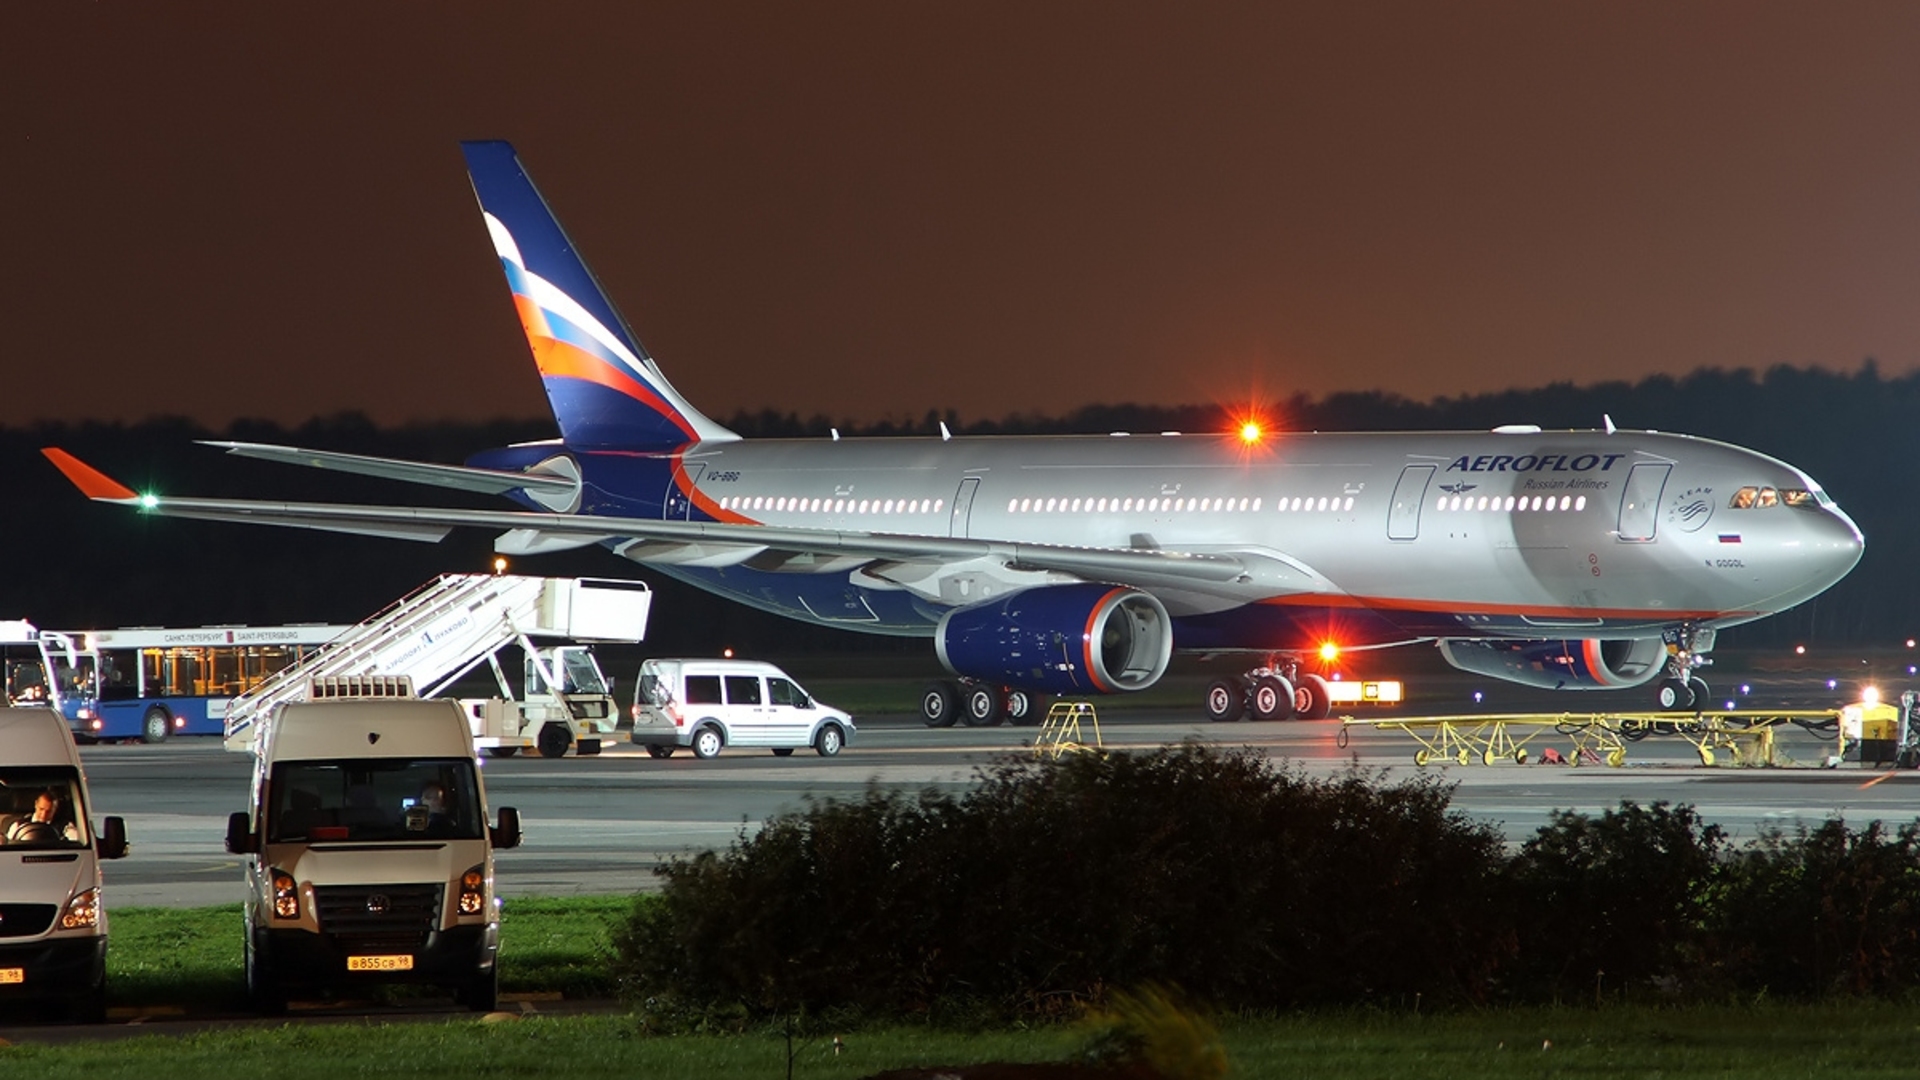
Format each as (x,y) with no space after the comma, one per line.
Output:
(1535,463)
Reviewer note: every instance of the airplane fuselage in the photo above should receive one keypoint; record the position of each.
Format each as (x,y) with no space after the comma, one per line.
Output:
(1372,539)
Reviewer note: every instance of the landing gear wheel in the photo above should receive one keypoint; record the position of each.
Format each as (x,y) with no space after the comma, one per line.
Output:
(502,751)
(830,740)
(1702,693)
(1024,707)
(1312,700)
(939,704)
(553,740)
(156,726)
(707,743)
(1226,700)
(983,707)
(655,750)
(1272,698)
(1675,695)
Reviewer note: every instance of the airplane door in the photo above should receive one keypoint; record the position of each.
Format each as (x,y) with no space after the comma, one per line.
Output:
(1403,518)
(1640,502)
(676,506)
(962,506)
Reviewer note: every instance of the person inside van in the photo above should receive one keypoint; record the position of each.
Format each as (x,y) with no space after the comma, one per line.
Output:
(429,814)
(42,826)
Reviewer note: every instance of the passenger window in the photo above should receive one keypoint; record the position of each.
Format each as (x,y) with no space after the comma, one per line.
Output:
(703,689)
(782,692)
(1768,497)
(743,689)
(1743,499)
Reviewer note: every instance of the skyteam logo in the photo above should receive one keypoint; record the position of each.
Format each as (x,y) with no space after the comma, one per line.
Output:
(1691,509)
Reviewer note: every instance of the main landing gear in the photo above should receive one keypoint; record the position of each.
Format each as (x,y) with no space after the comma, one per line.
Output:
(1680,689)
(979,704)
(1279,691)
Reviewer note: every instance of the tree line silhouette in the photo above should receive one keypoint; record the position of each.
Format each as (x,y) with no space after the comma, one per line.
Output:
(72,563)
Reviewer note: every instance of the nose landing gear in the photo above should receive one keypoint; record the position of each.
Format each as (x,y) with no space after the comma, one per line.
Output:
(1681,690)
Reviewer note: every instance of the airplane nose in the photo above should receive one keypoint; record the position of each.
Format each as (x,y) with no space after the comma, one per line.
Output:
(1838,543)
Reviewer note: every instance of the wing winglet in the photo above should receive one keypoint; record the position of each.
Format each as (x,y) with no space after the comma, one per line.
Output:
(93,483)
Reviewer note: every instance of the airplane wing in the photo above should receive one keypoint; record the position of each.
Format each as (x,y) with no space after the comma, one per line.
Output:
(459,477)
(714,543)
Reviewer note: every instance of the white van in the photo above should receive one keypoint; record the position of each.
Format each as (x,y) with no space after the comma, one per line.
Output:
(708,704)
(53,924)
(368,854)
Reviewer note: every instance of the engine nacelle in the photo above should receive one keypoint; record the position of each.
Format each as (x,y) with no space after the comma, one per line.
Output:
(1581,664)
(1063,639)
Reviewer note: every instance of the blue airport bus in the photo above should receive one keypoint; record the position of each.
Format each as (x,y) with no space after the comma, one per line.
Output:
(152,683)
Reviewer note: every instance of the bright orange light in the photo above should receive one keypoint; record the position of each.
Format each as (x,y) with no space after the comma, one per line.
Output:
(1250,432)
(1329,651)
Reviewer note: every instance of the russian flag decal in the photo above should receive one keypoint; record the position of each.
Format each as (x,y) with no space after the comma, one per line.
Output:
(1729,538)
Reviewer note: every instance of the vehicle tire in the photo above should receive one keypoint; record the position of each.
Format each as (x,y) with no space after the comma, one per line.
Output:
(553,740)
(482,994)
(983,706)
(830,740)
(156,725)
(587,747)
(1226,700)
(262,990)
(1674,695)
(707,743)
(656,750)
(1702,693)
(783,751)
(1272,698)
(1025,708)
(89,1006)
(502,751)
(1312,700)
(939,704)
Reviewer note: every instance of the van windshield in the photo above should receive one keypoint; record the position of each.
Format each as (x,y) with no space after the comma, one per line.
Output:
(374,799)
(40,808)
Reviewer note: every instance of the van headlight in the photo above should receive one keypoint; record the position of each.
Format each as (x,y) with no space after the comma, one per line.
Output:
(473,890)
(286,895)
(83,911)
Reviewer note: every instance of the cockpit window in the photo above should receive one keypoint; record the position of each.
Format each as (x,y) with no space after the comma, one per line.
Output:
(1799,497)
(1743,499)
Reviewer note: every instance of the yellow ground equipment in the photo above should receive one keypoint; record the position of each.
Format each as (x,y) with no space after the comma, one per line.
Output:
(1061,731)
(1729,737)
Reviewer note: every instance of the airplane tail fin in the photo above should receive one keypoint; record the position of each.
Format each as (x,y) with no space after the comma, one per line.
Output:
(606,392)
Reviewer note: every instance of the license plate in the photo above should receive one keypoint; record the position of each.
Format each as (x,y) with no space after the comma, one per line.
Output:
(379,963)
(13,975)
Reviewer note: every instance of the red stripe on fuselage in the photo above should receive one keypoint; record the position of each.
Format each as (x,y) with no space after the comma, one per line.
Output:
(1463,607)
(699,499)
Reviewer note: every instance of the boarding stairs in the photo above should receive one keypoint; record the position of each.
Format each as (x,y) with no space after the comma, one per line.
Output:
(448,627)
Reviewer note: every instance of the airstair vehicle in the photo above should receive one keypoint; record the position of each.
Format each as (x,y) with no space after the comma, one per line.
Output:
(446,629)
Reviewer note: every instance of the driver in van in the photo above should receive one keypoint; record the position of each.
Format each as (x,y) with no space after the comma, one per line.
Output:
(40,828)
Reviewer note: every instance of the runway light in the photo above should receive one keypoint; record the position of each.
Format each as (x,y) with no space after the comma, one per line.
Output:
(1800,650)
(1833,684)
(1745,689)
(1329,651)
(727,653)
(1909,643)
(499,564)
(1476,697)
(1729,706)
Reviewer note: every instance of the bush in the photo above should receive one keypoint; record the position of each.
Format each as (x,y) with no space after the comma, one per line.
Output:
(1246,885)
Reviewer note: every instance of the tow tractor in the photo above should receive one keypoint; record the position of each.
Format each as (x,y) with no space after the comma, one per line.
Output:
(565,700)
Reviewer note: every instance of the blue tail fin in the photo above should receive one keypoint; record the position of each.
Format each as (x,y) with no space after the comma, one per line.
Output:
(606,392)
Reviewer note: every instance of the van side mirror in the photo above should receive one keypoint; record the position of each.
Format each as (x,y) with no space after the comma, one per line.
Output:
(507,833)
(240,838)
(112,841)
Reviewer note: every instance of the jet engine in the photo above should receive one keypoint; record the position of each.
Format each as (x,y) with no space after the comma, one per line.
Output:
(1581,664)
(1063,639)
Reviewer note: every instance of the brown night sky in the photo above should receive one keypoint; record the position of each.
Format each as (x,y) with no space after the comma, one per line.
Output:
(869,210)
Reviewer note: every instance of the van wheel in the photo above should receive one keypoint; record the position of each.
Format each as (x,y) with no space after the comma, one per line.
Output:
(553,740)
(656,750)
(90,1006)
(156,726)
(830,740)
(707,743)
(502,751)
(267,997)
(482,994)
(783,751)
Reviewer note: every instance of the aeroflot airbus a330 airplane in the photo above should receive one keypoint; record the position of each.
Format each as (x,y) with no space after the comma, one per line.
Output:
(1570,559)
